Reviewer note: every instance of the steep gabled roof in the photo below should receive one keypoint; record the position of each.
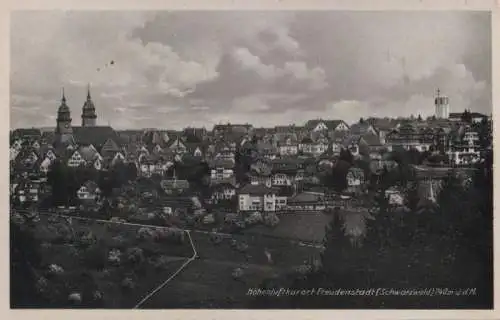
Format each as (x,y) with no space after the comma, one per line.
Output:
(372,140)
(357,173)
(88,154)
(351,139)
(360,128)
(330,124)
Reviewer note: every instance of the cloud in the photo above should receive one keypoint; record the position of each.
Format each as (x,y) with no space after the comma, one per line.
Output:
(174,69)
(248,61)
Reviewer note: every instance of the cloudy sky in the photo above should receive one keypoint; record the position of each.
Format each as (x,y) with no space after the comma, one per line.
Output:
(178,69)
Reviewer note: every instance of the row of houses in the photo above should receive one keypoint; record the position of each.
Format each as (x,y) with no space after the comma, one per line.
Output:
(287,156)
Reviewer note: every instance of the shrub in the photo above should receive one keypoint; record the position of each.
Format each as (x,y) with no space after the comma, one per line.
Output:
(135,255)
(63,233)
(237,273)
(215,238)
(234,243)
(97,295)
(242,247)
(87,239)
(128,284)
(170,235)
(254,218)
(75,298)
(161,262)
(271,220)
(303,269)
(114,257)
(145,233)
(42,285)
(55,269)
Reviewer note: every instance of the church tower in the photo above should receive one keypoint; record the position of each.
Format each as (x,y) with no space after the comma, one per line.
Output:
(89,116)
(63,130)
(442,106)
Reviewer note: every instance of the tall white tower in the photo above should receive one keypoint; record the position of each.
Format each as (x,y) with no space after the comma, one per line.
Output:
(442,106)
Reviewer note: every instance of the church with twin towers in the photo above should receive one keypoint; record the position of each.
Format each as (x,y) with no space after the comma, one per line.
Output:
(88,133)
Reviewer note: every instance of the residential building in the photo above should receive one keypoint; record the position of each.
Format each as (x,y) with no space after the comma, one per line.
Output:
(355,179)
(256,198)
(307,201)
(88,191)
(326,125)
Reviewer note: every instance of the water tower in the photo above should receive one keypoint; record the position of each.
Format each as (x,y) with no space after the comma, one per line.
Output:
(442,106)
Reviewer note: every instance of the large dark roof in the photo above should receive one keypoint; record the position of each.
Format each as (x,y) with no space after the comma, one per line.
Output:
(258,190)
(372,140)
(95,136)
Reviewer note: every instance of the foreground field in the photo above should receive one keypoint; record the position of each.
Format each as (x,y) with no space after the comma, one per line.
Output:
(83,250)
(210,284)
(210,281)
(308,226)
(87,269)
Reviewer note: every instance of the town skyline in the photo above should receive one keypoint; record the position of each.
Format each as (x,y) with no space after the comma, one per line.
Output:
(297,123)
(274,73)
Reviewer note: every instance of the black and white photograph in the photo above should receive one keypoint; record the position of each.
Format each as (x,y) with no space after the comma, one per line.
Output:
(251,159)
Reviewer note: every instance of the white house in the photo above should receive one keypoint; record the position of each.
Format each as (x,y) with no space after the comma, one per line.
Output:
(119,157)
(466,151)
(221,170)
(256,198)
(326,125)
(17,144)
(197,152)
(13,152)
(355,179)
(288,147)
(178,147)
(88,191)
(51,155)
(394,197)
(75,160)
(223,191)
(45,165)
(281,179)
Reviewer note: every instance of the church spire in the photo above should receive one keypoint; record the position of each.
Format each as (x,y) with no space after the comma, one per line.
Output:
(88,111)
(88,92)
(63,100)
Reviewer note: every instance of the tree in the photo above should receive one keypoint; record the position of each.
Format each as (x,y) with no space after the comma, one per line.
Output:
(338,177)
(24,261)
(484,131)
(59,177)
(346,156)
(131,171)
(466,116)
